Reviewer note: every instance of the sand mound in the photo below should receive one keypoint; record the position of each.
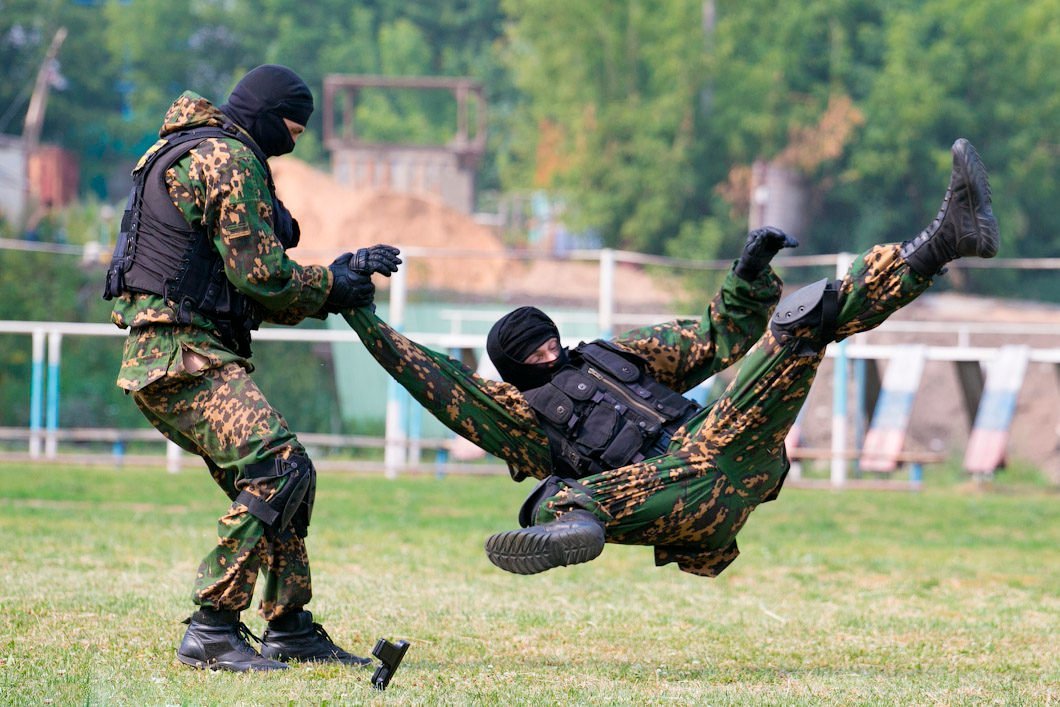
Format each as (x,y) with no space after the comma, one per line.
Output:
(445,249)
(335,218)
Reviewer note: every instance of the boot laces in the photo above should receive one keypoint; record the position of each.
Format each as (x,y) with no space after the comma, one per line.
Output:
(246,634)
(322,633)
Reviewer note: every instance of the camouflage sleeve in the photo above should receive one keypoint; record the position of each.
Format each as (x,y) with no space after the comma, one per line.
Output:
(685,352)
(491,414)
(222,185)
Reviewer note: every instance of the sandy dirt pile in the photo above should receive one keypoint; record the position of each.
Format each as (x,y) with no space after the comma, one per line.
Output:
(470,260)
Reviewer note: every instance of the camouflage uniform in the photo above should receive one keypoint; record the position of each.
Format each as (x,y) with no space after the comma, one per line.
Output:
(199,393)
(691,502)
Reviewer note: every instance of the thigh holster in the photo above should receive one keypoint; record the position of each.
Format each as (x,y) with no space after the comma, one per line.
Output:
(292,502)
(808,316)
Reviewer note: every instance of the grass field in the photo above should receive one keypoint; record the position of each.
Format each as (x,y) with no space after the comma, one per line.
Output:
(947,596)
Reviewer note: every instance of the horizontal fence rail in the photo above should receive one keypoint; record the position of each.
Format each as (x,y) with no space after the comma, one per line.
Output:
(401,453)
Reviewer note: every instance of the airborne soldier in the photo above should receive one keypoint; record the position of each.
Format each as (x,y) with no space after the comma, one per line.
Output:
(623,456)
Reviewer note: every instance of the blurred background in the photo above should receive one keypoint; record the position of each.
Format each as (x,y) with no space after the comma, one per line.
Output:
(507,144)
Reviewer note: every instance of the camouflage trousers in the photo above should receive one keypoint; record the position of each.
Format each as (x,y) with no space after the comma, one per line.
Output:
(691,502)
(220,414)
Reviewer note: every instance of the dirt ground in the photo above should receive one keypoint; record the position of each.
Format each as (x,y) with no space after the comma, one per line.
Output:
(450,251)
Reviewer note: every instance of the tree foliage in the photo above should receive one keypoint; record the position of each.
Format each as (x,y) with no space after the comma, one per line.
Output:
(651,137)
(644,116)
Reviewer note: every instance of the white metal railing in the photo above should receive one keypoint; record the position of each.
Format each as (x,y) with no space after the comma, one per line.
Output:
(44,433)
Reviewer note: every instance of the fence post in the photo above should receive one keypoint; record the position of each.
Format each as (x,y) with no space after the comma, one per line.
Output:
(606,309)
(36,395)
(51,420)
(394,454)
(838,473)
(172,457)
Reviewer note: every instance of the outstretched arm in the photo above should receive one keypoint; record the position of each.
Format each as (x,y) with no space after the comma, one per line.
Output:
(491,414)
(683,353)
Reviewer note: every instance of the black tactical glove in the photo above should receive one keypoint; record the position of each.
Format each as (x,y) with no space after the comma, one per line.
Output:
(762,244)
(349,289)
(382,259)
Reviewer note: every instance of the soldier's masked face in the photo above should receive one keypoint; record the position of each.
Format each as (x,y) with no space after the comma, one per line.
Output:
(524,346)
(265,102)
(546,353)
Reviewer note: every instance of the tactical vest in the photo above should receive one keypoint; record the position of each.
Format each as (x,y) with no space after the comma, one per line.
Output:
(159,252)
(603,411)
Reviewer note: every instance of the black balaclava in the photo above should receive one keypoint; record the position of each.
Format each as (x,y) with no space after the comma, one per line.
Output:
(262,99)
(515,336)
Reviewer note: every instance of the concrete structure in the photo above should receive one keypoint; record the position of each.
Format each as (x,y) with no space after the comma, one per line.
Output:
(13,188)
(443,171)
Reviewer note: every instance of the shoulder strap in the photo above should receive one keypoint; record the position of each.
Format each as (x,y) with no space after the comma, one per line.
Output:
(197,135)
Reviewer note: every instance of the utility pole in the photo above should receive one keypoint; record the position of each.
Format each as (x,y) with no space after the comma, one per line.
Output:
(34,123)
(39,100)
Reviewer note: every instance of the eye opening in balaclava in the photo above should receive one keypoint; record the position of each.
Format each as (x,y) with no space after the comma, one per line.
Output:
(262,99)
(513,338)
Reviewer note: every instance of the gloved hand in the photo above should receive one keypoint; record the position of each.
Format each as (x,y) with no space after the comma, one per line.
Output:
(382,259)
(349,289)
(762,244)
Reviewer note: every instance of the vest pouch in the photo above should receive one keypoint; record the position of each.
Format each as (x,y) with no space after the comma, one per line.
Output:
(623,448)
(598,428)
(672,412)
(574,383)
(551,403)
(614,363)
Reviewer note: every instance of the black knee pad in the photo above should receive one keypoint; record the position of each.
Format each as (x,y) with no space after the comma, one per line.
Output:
(814,306)
(296,494)
(549,486)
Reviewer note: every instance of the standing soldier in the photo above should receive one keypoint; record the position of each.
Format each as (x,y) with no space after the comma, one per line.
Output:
(201,261)
(623,456)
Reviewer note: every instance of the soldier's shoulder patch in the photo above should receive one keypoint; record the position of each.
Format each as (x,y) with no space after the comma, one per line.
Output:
(236,223)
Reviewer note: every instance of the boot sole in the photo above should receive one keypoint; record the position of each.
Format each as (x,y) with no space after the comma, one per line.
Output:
(203,665)
(282,657)
(975,175)
(527,551)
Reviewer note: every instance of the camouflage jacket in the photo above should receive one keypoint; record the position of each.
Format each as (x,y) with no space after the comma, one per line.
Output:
(495,415)
(221,185)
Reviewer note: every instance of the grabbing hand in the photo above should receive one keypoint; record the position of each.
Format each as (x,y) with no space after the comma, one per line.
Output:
(382,259)
(762,244)
(349,289)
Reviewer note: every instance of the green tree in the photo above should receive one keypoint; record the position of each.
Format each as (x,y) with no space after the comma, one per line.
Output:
(619,80)
(658,106)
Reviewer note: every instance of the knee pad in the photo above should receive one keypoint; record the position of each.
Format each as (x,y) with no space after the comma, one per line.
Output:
(546,488)
(296,491)
(814,307)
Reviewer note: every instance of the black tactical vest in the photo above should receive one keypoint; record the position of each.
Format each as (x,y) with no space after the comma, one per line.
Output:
(603,411)
(159,252)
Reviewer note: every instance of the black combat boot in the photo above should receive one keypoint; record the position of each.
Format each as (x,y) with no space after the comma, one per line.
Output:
(218,640)
(965,224)
(295,636)
(576,536)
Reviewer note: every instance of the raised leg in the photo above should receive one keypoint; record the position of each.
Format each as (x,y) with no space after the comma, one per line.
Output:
(693,501)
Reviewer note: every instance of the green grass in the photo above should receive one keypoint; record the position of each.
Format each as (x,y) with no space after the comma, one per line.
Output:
(948,596)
